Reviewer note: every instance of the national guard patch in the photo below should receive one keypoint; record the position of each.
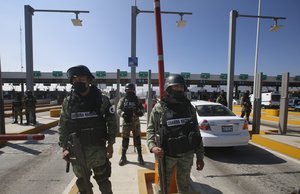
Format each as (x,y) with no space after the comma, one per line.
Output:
(112,110)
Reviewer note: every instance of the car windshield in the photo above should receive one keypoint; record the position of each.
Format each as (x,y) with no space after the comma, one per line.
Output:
(213,110)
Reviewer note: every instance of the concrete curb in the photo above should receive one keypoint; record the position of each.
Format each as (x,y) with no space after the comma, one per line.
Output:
(34,130)
(277,146)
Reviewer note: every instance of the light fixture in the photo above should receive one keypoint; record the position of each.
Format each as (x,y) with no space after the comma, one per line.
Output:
(181,23)
(76,22)
(275,27)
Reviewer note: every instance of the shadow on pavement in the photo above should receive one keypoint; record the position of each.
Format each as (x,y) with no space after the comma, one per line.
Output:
(249,154)
(196,186)
(23,148)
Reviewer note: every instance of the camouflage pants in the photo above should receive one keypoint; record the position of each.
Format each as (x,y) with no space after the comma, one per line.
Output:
(183,165)
(97,161)
(18,113)
(134,126)
(246,112)
(30,113)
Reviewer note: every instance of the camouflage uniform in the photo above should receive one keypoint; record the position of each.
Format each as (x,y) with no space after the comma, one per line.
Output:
(104,130)
(130,108)
(183,161)
(246,106)
(17,107)
(30,105)
(222,100)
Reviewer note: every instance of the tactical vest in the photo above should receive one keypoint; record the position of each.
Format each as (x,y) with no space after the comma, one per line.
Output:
(88,122)
(30,101)
(130,106)
(180,133)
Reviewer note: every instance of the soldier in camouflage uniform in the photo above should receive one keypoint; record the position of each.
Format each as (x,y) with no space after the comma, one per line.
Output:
(90,115)
(174,123)
(17,107)
(30,105)
(130,108)
(222,98)
(246,105)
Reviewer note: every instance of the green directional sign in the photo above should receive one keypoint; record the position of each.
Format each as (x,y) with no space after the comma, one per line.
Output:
(143,74)
(278,77)
(244,76)
(167,74)
(297,78)
(185,75)
(100,73)
(123,73)
(205,75)
(264,77)
(37,73)
(223,76)
(57,73)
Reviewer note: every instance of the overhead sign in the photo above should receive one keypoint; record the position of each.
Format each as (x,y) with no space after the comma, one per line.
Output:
(143,74)
(297,78)
(132,61)
(264,77)
(185,75)
(223,76)
(243,76)
(100,73)
(167,74)
(123,73)
(278,77)
(37,73)
(57,73)
(205,75)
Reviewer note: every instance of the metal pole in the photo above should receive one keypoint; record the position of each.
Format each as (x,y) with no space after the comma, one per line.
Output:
(149,100)
(134,12)
(28,46)
(283,111)
(257,45)
(256,98)
(257,105)
(231,57)
(159,42)
(118,97)
(2,124)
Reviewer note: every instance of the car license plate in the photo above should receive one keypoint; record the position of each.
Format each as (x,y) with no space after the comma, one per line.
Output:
(227,128)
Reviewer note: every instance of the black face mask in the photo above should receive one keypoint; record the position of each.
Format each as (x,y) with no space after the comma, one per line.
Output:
(179,96)
(79,87)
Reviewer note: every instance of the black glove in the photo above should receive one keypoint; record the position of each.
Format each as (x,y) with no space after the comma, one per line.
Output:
(139,113)
(126,118)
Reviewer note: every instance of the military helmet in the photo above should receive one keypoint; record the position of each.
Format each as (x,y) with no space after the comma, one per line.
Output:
(79,70)
(173,80)
(129,86)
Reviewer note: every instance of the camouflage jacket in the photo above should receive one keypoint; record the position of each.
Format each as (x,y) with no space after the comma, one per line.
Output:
(106,109)
(246,104)
(155,122)
(221,100)
(138,109)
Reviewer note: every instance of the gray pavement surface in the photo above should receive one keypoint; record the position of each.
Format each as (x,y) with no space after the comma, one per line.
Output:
(127,176)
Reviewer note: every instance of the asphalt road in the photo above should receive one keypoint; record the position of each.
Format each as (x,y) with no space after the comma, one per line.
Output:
(36,167)
(246,169)
(32,167)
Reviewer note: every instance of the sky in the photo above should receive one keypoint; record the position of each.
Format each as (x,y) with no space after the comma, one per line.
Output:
(103,43)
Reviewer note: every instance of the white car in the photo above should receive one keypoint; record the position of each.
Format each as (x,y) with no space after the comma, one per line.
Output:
(219,126)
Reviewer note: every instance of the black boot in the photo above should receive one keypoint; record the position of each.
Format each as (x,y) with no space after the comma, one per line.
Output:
(105,187)
(123,159)
(125,143)
(140,157)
